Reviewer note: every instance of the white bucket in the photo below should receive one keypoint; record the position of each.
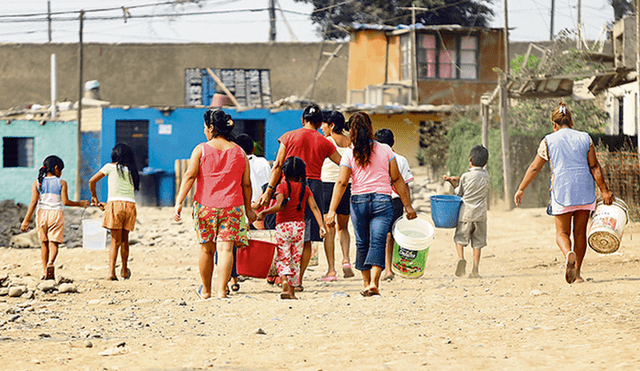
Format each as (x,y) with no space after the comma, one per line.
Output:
(411,247)
(607,226)
(94,237)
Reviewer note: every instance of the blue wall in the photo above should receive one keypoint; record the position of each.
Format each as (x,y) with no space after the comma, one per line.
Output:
(54,138)
(187,131)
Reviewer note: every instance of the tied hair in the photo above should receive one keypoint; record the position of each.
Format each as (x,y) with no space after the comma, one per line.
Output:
(295,168)
(41,173)
(49,166)
(561,115)
(362,137)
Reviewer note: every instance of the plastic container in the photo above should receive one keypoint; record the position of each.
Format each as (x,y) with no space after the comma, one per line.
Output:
(445,210)
(411,246)
(255,259)
(607,226)
(94,237)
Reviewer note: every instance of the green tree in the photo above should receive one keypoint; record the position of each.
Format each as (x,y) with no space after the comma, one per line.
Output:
(470,13)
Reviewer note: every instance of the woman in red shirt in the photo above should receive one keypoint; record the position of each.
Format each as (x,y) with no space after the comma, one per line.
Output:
(222,202)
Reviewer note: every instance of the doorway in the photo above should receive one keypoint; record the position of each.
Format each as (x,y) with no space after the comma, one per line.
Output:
(135,133)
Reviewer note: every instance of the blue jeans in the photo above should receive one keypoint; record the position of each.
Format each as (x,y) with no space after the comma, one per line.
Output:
(371,215)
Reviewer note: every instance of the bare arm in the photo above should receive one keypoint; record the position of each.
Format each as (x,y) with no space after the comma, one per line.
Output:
(273,209)
(65,197)
(187,180)
(402,189)
(247,191)
(454,180)
(596,171)
(529,176)
(335,157)
(35,195)
(276,171)
(316,212)
(338,190)
(92,187)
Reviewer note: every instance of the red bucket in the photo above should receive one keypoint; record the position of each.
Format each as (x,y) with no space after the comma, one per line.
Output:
(255,259)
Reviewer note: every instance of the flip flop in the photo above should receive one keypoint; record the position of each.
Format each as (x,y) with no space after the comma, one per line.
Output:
(199,292)
(128,274)
(461,268)
(347,271)
(51,275)
(390,277)
(235,287)
(328,278)
(369,292)
(285,296)
(570,274)
(298,288)
(112,278)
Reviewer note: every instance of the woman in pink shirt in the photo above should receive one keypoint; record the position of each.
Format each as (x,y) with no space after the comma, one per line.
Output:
(372,167)
(222,202)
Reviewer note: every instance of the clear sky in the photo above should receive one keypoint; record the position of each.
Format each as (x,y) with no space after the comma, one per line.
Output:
(248,21)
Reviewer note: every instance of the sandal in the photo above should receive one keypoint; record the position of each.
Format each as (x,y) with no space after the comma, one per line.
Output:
(235,287)
(50,275)
(347,271)
(128,275)
(298,288)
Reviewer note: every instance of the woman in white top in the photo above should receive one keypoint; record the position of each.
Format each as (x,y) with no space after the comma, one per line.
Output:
(334,129)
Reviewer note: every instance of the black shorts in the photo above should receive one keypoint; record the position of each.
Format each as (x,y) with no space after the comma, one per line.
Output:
(311,228)
(398,211)
(344,207)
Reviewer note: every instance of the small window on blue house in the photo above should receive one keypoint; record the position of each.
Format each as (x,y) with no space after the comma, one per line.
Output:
(17,152)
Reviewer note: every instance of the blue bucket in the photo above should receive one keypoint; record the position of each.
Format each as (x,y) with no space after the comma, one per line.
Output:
(445,210)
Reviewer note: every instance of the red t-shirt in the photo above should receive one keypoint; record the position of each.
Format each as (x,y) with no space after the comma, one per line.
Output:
(311,146)
(290,212)
(219,179)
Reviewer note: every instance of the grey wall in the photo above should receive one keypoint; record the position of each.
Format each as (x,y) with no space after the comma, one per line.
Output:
(153,74)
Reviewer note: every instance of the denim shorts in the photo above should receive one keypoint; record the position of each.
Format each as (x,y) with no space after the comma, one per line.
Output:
(371,215)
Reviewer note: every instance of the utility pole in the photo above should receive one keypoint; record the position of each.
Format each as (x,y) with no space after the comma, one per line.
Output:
(553,7)
(414,58)
(49,18)
(80,88)
(579,41)
(504,109)
(638,78)
(272,20)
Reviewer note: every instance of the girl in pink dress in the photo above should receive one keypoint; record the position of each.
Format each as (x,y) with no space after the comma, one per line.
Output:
(292,196)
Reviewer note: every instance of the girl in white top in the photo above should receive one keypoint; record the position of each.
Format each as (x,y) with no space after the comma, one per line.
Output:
(334,129)
(120,209)
(49,193)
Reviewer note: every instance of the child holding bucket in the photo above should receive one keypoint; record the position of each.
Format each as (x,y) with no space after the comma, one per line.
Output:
(292,196)
(575,170)
(473,187)
(386,136)
(120,209)
(49,193)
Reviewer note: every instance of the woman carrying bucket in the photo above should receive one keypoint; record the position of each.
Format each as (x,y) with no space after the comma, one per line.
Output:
(370,165)
(574,167)
(222,203)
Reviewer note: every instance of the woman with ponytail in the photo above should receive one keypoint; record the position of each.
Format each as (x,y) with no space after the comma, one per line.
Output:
(370,165)
(222,202)
(48,194)
(575,171)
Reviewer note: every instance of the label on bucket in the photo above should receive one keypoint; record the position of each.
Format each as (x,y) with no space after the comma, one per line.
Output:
(408,263)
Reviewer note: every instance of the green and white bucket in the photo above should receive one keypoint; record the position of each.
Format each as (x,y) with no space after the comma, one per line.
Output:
(411,246)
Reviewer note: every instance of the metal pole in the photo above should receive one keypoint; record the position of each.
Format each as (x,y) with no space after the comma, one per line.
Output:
(638,74)
(80,88)
(579,38)
(272,20)
(415,98)
(504,110)
(54,87)
(553,6)
(49,18)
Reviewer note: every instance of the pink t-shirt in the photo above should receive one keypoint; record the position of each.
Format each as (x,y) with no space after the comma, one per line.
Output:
(374,178)
(311,146)
(219,180)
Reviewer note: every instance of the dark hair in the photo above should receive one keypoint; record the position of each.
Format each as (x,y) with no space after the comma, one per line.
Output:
(385,136)
(479,155)
(337,119)
(49,166)
(123,156)
(295,168)
(561,115)
(361,137)
(246,143)
(221,122)
(312,114)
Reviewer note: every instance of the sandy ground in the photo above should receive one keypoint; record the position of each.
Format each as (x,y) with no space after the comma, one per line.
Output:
(519,315)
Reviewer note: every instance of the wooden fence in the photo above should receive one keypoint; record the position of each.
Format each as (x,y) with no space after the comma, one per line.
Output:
(621,171)
(180,167)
